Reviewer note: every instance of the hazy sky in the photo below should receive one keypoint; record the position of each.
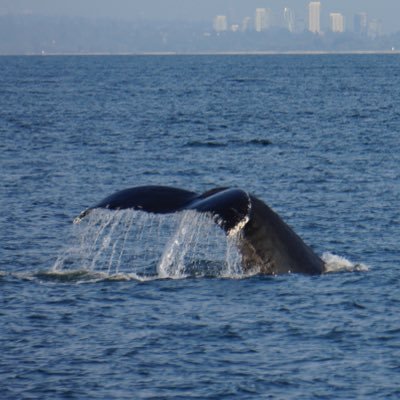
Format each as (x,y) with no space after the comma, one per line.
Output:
(388,11)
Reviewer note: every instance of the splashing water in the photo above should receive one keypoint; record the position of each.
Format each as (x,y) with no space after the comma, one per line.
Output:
(335,263)
(129,244)
(196,248)
(146,246)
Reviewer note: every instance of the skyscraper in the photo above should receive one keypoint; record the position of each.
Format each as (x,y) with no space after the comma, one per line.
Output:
(337,22)
(374,28)
(220,23)
(361,23)
(288,17)
(314,16)
(246,24)
(262,19)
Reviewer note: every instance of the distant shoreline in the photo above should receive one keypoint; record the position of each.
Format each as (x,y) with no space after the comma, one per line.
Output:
(209,53)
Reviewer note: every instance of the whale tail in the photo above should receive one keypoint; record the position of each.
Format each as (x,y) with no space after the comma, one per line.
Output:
(153,199)
(229,206)
(266,241)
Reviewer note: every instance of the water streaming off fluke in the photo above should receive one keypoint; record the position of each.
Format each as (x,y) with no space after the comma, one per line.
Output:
(145,245)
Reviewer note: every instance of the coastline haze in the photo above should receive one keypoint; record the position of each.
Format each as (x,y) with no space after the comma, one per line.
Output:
(386,11)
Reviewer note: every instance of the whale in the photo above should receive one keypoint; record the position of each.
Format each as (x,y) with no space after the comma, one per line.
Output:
(265,242)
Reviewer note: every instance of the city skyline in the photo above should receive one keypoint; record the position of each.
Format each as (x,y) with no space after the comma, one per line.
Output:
(315,27)
(384,11)
(264,19)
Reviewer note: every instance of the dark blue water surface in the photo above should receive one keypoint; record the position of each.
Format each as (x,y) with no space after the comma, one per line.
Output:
(85,312)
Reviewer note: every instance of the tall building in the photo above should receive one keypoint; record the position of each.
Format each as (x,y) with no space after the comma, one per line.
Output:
(289,19)
(337,22)
(246,24)
(361,23)
(220,23)
(262,19)
(374,28)
(314,17)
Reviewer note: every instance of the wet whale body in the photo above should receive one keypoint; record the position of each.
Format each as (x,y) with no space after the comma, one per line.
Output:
(265,242)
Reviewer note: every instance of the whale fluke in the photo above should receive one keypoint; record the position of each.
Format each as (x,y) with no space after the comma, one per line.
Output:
(265,243)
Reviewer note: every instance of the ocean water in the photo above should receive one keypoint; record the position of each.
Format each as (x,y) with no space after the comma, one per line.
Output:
(130,305)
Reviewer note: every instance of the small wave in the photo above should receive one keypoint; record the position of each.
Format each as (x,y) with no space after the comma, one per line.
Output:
(79,276)
(83,276)
(247,80)
(335,263)
(71,276)
(260,142)
(238,142)
(208,143)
